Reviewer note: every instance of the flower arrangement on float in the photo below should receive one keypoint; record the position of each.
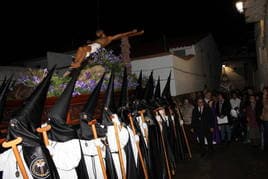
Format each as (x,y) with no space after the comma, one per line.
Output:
(99,62)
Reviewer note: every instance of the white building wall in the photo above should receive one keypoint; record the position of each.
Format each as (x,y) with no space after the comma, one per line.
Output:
(189,75)
(161,66)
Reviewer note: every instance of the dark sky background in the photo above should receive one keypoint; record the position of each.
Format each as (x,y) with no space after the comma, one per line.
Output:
(29,30)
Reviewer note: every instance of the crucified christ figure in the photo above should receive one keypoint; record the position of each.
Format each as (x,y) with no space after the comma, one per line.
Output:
(102,41)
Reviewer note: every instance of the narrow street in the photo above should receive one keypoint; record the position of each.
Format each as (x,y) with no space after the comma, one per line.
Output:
(235,161)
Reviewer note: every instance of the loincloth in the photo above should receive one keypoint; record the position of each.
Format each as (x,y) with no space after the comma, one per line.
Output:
(94,48)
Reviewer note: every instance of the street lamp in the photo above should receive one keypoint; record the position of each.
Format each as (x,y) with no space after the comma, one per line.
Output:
(240,6)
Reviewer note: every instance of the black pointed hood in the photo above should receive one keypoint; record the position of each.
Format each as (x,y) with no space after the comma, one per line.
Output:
(32,109)
(124,91)
(60,109)
(60,131)
(139,89)
(93,99)
(87,114)
(158,101)
(3,96)
(166,92)
(123,108)
(28,118)
(110,99)
(157,93)
(149,89)
(108,104)
(23,125)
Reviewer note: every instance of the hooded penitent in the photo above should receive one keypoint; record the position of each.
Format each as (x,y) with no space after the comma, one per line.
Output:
(60,131)
(86,134)
(106,121)
(66,148)
(178,142)
(123,113)
(156,159)
(31,112)
(21,125)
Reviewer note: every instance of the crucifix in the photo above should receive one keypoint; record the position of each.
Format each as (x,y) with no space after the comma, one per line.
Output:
(84,51)
(103,40)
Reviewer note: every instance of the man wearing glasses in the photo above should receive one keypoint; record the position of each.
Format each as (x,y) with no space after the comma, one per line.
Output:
(202,126)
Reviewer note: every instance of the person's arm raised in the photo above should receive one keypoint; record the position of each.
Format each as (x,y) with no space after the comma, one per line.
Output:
(121,35)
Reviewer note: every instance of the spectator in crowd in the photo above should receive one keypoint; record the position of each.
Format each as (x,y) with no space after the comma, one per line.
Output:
(253,127)
(223,108)
(250,91)
(192,98)
(216,132)
(187,110)
(264,118)
(208,96)
(199,95)
(234,114)
(235,101)
(202,125)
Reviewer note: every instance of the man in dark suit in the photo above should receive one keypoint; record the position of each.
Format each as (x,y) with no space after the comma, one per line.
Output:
(202,125)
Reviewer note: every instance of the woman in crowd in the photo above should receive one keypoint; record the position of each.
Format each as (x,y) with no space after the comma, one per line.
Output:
(253,127)
(264,118)
(187,110)
(216,131)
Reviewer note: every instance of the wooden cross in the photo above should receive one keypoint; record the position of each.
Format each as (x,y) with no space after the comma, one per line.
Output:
(125,48)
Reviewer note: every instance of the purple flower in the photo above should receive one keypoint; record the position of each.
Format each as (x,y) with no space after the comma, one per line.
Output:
(87,74)
(92,84)
(75,93)
(36,80)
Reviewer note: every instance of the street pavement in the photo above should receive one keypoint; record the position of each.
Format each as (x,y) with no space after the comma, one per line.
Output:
(232,161)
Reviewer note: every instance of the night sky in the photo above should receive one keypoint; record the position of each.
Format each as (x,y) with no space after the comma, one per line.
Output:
(29,30)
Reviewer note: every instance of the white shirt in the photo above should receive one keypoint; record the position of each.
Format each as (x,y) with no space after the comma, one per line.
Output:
(235,102)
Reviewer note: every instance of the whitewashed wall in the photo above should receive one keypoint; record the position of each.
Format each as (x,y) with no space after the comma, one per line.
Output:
(161,66)
(187,75)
